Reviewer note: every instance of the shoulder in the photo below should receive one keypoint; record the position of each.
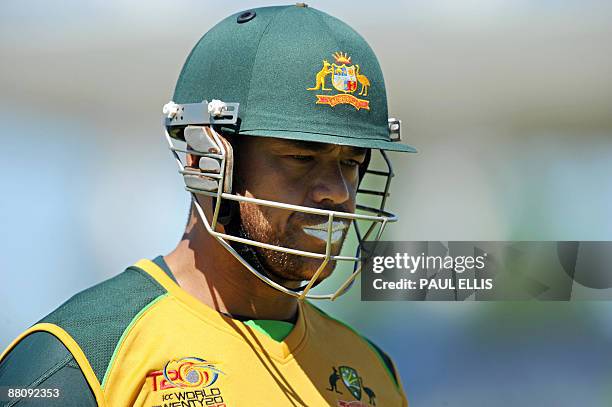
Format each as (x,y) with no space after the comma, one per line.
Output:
(326,322)
(97,317)
(115,297)
(85,330)
(40,361)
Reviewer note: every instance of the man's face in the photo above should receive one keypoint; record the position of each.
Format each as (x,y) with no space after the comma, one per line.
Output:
(301,173)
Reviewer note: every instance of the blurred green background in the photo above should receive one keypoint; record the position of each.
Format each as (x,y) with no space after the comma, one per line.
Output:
(509,103)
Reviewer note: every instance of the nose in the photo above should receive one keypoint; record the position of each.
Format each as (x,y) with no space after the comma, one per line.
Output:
(329,185)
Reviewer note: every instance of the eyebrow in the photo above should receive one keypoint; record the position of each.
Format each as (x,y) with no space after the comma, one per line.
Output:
(318,147)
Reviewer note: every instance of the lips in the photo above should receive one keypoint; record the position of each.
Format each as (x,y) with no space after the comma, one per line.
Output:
(319,231)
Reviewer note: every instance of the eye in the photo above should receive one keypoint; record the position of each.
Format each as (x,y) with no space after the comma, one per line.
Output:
(301,158)
(351,163)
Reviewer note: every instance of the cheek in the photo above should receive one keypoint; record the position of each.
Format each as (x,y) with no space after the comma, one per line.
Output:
(352,202)
(272,184)
(263,221)
(254,221)
(352,205)
(262,181)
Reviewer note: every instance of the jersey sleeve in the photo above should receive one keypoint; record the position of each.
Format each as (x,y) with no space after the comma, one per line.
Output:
(391,368)
(41,361)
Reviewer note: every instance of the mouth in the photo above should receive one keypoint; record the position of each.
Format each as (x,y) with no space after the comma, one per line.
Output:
(319,231)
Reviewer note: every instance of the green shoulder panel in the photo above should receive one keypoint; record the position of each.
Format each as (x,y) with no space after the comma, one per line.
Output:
(97,317)
(41,361)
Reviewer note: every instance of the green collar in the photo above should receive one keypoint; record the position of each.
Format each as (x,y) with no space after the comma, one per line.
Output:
(277,330)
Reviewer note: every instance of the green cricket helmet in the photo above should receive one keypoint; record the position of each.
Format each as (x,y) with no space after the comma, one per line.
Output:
(290,72)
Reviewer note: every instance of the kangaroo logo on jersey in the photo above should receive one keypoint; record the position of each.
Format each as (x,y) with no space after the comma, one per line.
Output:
(353,383)
(345,78)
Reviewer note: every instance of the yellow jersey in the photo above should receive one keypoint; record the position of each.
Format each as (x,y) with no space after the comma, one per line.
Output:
(139,339)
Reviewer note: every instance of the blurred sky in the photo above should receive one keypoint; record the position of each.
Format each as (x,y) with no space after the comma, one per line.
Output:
(508,102)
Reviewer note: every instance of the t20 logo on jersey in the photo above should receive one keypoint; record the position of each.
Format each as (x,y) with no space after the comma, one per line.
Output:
(186,381)
(189,372)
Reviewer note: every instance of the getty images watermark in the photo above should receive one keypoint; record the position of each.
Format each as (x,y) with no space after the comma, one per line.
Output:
(457,271)
(411,264)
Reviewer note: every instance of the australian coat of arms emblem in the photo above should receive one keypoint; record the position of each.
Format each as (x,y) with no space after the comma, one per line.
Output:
(346,78)
(354,384)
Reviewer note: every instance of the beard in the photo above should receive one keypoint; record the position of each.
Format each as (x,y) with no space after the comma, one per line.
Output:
(253,224)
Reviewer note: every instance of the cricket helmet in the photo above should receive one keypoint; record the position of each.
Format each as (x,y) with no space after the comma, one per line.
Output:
(290,72)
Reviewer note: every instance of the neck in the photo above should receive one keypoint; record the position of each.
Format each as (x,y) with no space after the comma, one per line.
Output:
(207,271)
